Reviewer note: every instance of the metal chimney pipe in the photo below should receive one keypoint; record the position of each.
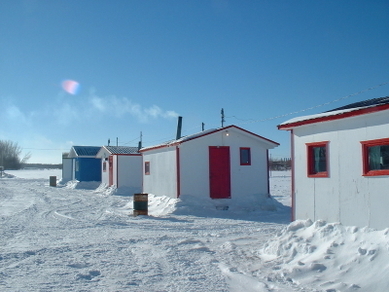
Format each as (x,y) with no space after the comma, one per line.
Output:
(179,127)
(140,142)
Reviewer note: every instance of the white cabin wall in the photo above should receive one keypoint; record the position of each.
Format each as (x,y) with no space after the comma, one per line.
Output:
(245,179)
(346,195)
(104,174)
(104,154)
(67,169)
(248,179)
(115,170)
(162,180)
(130,172)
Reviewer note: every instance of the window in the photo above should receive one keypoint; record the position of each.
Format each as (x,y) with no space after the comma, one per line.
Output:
(375,155)
(104,166)
(245,156)
(147,167)
(317,158)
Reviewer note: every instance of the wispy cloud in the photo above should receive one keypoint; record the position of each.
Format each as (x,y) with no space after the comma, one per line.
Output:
(119,107)
(65,112)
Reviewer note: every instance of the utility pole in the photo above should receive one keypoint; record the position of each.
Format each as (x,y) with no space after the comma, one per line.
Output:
(222,113)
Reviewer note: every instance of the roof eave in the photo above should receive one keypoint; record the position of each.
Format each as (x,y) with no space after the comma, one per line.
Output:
(270,143)
(357,112)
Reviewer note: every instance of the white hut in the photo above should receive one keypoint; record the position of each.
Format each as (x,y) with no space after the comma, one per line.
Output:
(222,163)
(340,164)
(67,167)
(121,166)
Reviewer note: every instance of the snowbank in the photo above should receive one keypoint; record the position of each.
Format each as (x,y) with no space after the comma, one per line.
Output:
(6,175)
(330,255)
(86,185)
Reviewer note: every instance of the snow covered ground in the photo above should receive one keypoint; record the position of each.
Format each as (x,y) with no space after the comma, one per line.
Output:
(83,237)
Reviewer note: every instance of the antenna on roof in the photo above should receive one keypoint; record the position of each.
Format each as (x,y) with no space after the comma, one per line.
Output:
(222,113)
(202,126)
(117,141)
(109,141)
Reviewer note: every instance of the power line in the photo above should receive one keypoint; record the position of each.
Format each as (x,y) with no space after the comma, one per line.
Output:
(310,108)
(126,143)
(42,149)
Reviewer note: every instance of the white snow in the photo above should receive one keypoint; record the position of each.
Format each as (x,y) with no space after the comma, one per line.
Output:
(83,237)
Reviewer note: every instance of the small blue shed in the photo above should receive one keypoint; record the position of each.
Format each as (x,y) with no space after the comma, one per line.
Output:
(86,167)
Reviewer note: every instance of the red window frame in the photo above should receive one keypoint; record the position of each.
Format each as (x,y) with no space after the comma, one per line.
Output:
(244,162)
(365,157)
(311,159)
(147,167)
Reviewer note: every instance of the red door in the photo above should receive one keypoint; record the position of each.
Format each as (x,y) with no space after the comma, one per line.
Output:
(219,172)
(110,160)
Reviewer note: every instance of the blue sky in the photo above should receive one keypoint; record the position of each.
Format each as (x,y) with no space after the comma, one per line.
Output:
(141,64)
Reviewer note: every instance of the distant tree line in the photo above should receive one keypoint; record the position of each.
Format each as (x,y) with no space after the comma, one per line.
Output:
(42,165)
(280,164)
(10,155)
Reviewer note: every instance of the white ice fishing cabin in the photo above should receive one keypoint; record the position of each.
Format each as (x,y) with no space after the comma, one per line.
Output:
(121,166)
(223,163)
(340,164)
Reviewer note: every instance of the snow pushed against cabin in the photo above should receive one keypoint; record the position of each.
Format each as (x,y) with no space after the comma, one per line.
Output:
(83,237)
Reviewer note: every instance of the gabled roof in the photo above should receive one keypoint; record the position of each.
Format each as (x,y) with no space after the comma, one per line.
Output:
(122,150)
(350,110)
(84,151)
(184,139)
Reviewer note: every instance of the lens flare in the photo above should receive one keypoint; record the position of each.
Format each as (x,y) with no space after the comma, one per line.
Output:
(71,86)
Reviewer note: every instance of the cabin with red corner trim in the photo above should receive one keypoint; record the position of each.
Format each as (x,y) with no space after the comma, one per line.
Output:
(221,164)
(340,164)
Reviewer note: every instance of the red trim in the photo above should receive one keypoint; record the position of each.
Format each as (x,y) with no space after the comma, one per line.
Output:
(249,155)
(110,170)
(178,172)
(251,133)
(365,157)
(293,216)
(268,171)
(354,113)
(205,134)
(310,162)
(117,171)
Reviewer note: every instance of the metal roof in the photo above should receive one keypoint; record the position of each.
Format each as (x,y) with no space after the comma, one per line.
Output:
(86,150)
(350,110)
(364,103)
(122,149)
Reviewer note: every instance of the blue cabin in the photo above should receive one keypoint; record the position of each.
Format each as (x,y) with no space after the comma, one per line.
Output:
(85,166)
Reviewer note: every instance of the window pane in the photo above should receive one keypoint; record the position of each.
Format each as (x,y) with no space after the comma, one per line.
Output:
(378,157)
(245,156)
(319,159)
(385,156)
